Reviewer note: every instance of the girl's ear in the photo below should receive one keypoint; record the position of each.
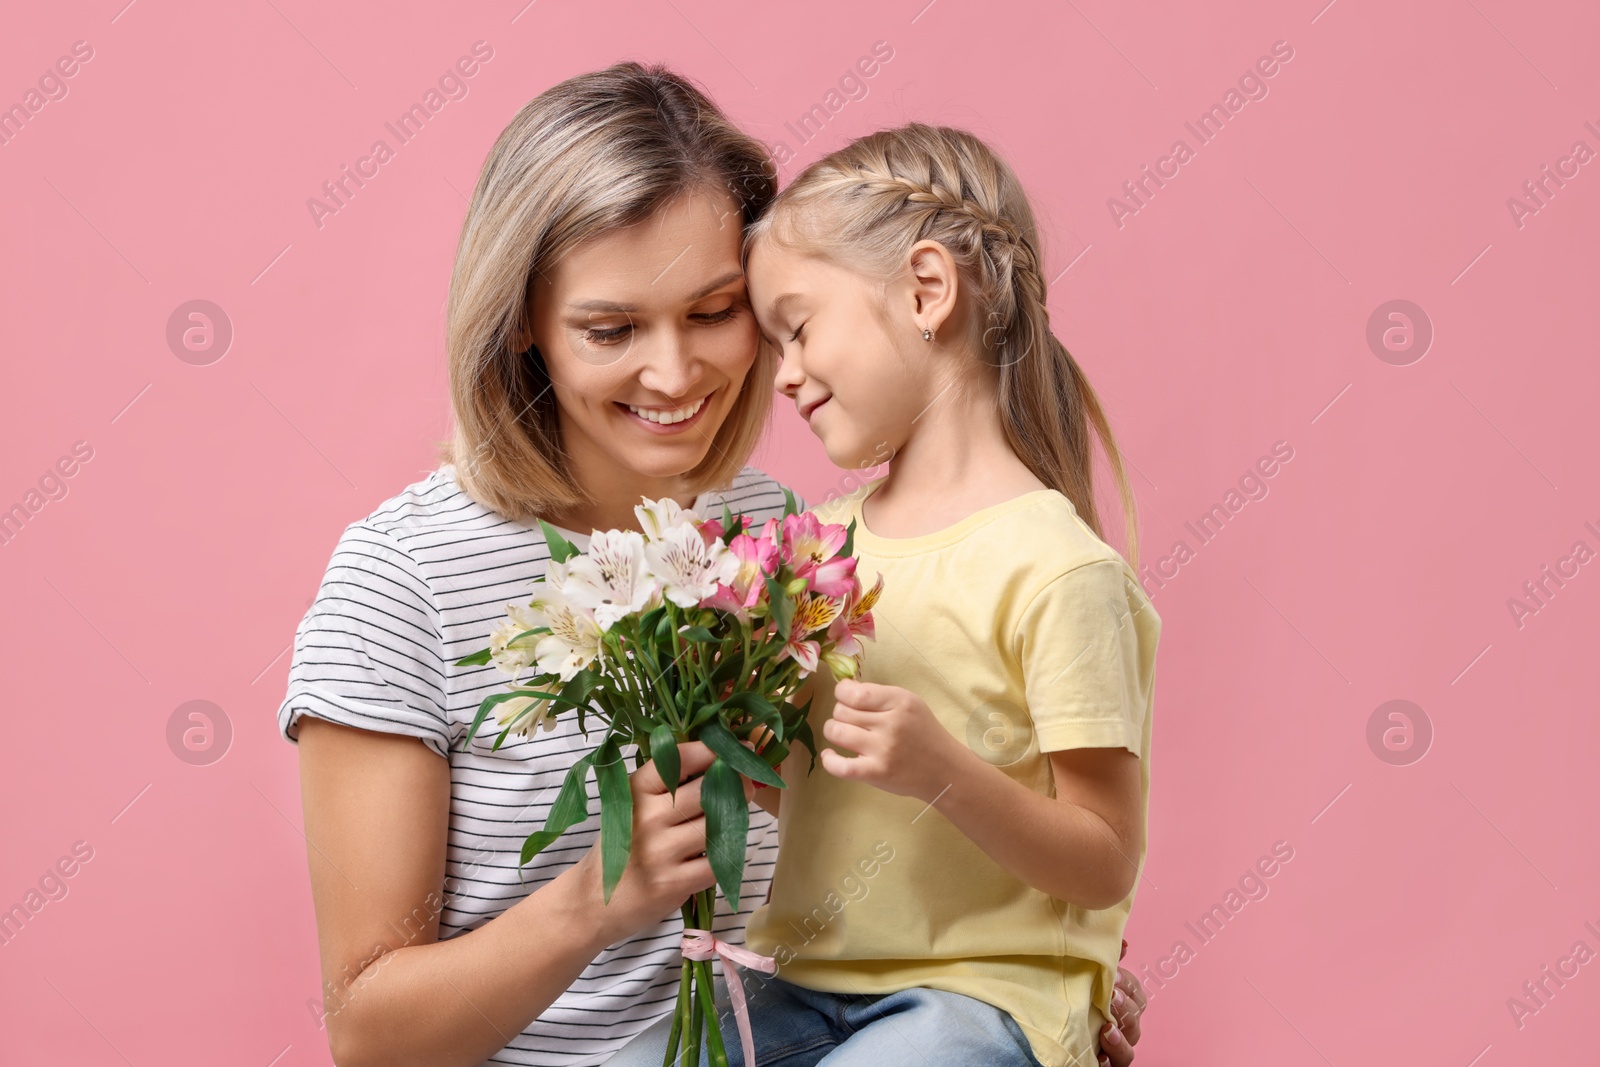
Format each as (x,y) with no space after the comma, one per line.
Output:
(935,284)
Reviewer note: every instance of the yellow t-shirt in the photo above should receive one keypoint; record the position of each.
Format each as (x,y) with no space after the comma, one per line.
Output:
(1025,634)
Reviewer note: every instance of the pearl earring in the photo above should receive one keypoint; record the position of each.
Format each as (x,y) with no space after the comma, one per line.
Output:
(927,334)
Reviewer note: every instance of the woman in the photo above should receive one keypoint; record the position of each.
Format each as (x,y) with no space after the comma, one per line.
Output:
(601,349)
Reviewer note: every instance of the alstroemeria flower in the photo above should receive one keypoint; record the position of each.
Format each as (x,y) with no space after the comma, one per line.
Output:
(855,619)
(812,614)
(758,560)
(574,638)
(658,516)
(514,657)
(542,715)
(812,550)
(610,579)
(688,568)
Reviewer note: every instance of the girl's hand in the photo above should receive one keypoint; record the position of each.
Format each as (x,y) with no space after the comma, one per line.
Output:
(1121,1032)
(902,748)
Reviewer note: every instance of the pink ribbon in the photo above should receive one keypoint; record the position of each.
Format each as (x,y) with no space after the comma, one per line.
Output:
(702,945)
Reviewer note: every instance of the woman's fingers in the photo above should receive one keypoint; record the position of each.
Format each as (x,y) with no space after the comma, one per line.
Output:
(1114,1047)
(1127,1004)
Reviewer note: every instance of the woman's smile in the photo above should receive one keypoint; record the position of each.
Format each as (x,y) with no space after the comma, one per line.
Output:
(662,420)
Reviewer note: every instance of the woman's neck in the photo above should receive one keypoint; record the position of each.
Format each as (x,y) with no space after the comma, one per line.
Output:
(612,509)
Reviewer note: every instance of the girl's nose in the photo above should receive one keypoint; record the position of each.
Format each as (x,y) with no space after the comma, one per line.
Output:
(789,377)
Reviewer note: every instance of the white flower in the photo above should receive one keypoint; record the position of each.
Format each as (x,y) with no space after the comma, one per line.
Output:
(689,570)
(658,516)
(609,579)
(514,658)
(574,638)
(542,715)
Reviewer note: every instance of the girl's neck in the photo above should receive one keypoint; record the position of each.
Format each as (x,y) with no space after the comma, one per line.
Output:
(956,461)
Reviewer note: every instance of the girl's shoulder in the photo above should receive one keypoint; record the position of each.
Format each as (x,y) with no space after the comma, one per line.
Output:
(1050,534)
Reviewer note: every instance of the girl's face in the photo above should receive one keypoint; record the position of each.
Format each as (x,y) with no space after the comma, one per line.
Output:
(647,334)
(857,383)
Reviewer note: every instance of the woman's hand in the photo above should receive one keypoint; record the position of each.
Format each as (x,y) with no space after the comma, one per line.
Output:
(1121,1031)
(667,863)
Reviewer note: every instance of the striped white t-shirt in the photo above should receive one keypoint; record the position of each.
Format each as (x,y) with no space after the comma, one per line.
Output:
(417,585)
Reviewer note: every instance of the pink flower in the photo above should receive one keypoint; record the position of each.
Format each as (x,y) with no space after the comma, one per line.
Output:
(758,560)
(811,549)
(855,619)
(810,615)
(711,530)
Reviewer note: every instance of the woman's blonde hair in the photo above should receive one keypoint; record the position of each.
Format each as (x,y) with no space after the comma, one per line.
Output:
(596,153)
(864,206)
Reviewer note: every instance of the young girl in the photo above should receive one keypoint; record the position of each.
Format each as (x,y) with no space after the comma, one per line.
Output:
(954,876)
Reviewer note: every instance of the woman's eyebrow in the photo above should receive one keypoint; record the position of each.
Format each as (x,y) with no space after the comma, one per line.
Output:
(698,294)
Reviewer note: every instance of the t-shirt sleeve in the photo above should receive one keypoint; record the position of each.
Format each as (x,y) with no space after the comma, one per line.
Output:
(369,653)
(1087,645)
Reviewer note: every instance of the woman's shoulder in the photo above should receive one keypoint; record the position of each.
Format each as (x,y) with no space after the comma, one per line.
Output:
(754,493)
(432,522)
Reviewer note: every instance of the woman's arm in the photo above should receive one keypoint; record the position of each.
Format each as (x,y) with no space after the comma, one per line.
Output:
(376,819)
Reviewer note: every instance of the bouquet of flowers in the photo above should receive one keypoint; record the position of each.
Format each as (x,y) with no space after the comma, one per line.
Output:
(694,630)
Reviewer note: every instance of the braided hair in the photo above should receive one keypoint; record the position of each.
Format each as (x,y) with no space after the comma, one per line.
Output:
(864,207)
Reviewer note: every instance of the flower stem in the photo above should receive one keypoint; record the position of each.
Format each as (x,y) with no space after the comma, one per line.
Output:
(717,1054)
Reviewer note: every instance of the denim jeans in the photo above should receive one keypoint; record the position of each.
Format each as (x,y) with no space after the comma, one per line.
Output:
(797,1027)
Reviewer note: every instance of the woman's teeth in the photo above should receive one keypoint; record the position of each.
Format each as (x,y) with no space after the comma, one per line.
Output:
(667,418)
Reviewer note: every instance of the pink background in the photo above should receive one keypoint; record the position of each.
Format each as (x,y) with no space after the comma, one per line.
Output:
(1229,313)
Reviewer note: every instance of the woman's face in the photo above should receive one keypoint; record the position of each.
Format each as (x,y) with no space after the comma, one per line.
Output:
(647,335)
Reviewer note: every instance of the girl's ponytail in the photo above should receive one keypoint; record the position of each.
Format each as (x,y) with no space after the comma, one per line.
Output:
(866,204)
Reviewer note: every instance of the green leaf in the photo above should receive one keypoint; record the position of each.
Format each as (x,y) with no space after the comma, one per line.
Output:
(849,548)
(576,692)
(753,702)
(647,621)
(701,634)
(571,807)
(664,752)
(782,607)
(561,549)
(804,736)
(616,814)
(720,739)
(727,826)
(702,715)
(477,659)
(791,506)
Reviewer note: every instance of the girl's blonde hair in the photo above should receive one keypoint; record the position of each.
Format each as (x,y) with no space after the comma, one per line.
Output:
(864,206)
(596,153)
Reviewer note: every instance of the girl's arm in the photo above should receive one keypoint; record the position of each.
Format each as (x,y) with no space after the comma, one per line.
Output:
(376,822)
(1080,846)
